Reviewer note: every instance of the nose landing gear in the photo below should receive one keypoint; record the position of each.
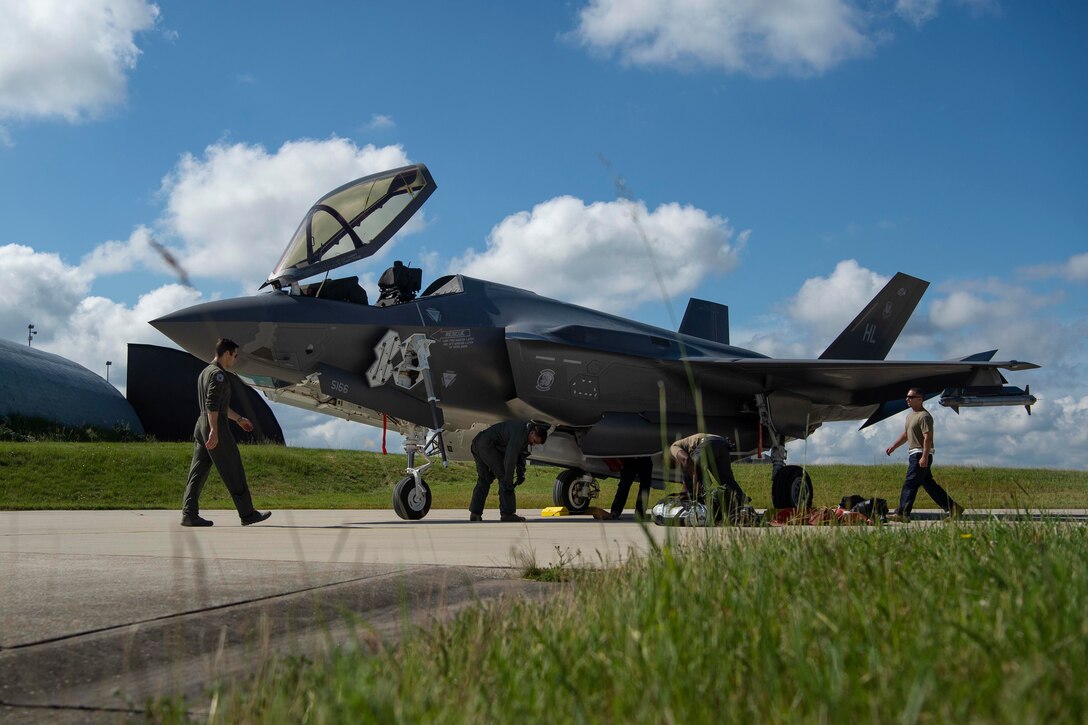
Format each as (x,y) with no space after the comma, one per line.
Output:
(411,494)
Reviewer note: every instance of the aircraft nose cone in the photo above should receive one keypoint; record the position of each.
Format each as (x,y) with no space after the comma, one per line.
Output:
(196,329)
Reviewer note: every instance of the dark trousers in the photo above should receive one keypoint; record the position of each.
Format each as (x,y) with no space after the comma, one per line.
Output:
(715,456)
(489,466)
(918,477)
(641,468)
(228,462)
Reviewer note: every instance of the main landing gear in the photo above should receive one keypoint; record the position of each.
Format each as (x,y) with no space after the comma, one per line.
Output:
(575,489)
(791,486)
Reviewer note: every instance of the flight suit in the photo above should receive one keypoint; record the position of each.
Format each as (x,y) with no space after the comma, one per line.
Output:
(213,393)
(500,452)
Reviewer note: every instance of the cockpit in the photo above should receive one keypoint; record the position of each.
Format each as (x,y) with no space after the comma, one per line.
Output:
(351,223)
(397,285)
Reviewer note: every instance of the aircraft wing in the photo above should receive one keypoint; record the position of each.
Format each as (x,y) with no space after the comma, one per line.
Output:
(807,391)
(859,375)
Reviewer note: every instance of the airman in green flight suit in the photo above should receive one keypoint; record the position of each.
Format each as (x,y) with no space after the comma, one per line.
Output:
(214,442)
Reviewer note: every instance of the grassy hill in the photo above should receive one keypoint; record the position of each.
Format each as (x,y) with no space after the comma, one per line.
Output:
(108,475)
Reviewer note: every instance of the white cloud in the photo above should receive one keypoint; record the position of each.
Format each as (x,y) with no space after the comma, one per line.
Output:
(965,316)
(39,289)
(747,36)
(68,58)
(307,429)
(594,255)
(1055,435)
(115,257)
(756,37)
(234,192)
(99,329)
(1074,269)
(917,12)
(380,121)
(1077,267)
(956,318)
(42,290)
(982,303)
(978,315)
(235,208)
(958,309)
(807,322)
(825,305)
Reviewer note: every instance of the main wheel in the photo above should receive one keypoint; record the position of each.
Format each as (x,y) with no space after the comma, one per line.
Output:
(574,491)
(791,488)
(409,502)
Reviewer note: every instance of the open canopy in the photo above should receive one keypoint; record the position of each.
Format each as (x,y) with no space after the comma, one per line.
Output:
(353,222)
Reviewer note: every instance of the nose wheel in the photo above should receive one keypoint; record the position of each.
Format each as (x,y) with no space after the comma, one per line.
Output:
(411,494)
(411,501)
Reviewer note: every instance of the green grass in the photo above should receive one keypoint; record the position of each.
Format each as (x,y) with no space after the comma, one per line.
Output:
(975,623)
(985,623)
(61,475)
(28,429)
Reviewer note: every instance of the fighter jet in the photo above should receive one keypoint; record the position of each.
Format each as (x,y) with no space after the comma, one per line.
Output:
(441,365)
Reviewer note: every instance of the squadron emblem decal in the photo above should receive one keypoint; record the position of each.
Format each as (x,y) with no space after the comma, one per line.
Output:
(545,380)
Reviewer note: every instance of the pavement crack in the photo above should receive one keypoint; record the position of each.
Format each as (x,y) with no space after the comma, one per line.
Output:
(200,610)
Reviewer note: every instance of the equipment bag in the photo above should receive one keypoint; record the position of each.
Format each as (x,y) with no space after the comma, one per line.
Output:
(872,508)
(676,509)
(723,508)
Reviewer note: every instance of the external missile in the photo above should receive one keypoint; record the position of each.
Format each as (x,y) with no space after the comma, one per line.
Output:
(987,395)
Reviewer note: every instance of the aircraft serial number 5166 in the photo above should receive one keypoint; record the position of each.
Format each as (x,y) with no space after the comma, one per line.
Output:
(466,353)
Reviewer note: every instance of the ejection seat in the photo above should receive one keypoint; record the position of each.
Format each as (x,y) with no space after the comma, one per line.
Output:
(399,284)
(345,289)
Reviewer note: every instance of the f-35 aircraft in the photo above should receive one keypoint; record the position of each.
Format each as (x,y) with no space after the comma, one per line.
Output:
(441,366)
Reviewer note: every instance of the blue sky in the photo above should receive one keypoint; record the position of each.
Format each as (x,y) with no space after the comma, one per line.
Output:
(784,158)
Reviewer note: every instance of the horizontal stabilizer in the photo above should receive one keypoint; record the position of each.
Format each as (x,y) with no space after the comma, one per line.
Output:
(873,332)
(887,409)
(706,320)
(980,356)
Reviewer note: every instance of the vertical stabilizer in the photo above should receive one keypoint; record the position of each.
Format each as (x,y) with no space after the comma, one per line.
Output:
(706,320)
(873,332)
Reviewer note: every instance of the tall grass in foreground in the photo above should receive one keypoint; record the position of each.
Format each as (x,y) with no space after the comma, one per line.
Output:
(984,623)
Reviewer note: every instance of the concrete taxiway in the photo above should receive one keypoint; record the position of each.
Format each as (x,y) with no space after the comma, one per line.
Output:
(101,610)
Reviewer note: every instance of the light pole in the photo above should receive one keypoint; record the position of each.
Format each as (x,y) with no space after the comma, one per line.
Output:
(30,333)
(108,363)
